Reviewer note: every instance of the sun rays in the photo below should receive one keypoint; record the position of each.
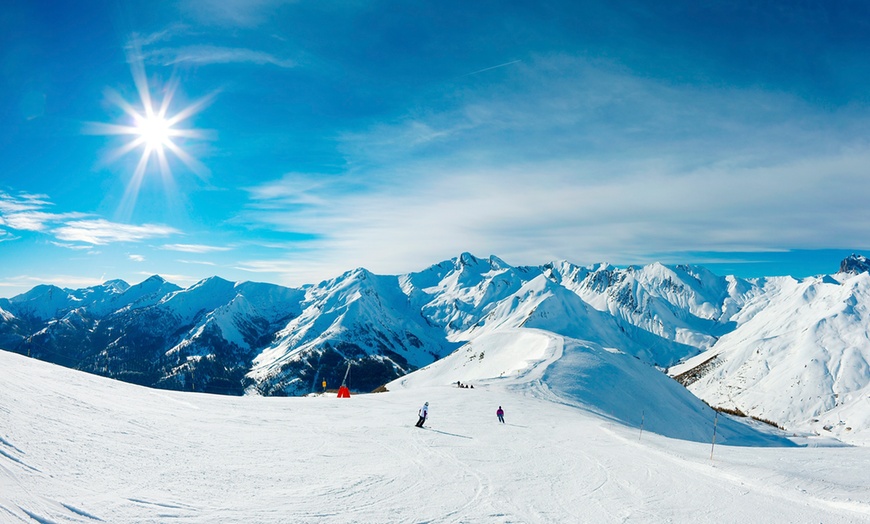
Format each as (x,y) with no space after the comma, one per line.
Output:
(153,128)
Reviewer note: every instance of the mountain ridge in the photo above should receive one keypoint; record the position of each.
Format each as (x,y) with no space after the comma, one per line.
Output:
(256,338)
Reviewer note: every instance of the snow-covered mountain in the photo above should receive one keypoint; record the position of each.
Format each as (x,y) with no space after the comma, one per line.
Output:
(799,356)
(685,304)
(153,333)
(791,352)
(358,317)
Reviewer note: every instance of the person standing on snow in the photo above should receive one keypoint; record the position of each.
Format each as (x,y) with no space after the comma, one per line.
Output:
(500,414)
(424,414)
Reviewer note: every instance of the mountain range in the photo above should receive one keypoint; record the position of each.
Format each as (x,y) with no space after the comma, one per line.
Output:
(790,351)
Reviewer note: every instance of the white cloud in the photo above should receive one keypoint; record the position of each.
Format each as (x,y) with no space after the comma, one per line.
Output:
(194,248)
(76,247)
(296,270)
(584,162)
(23,202)
(210,54)
(199,262)
(6,236)
(25,212)
(34,220)
(101,231)
(136,258)
(20,284)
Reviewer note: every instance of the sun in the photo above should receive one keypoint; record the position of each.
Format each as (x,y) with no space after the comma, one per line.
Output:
(153,128)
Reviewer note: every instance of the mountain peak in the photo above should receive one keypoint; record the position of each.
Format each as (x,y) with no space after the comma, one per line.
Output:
(855,264)
(467,259)
(116,286)
(39,292)
(211,281)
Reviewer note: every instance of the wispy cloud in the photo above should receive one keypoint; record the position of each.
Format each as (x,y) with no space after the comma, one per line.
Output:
(194,248)
(136,258)
(24,212)
(197,262)
(23,202)
(25,282)
(211,54)
(101,231)
(76,247)
(588,162)
(138,40)
(298,270)
(35,220)
(234,13)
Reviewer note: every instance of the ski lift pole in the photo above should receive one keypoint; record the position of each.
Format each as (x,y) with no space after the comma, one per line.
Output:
(346,373)
(344,391)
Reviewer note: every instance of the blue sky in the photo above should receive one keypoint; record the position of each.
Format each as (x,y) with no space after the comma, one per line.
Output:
(317,137)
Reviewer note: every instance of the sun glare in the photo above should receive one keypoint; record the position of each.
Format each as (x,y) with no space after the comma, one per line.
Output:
(153,128)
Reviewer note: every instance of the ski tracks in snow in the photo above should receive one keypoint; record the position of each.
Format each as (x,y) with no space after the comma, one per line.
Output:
(743,480)
(430,446)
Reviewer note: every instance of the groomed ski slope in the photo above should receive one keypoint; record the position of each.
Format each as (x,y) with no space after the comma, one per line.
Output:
(79,448)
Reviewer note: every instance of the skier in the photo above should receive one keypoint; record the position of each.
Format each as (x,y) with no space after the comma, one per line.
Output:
(500,414)
(424,414)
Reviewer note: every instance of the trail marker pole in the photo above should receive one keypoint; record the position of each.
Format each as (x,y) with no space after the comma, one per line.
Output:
(715,424)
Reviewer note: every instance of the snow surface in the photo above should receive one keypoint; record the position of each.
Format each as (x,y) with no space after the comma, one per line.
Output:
(80,448)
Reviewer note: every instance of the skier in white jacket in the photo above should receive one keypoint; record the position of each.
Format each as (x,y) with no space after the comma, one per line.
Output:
(424,414)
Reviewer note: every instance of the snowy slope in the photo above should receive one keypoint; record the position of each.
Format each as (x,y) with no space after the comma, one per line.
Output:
(609,383)
(800,357)
(78,448)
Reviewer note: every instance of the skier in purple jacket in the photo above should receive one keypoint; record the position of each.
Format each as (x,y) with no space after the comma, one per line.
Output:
(500,414)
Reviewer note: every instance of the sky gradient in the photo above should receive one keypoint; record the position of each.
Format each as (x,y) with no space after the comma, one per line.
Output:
(317,137)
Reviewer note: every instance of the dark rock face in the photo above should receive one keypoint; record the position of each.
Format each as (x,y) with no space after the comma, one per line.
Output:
(855,264)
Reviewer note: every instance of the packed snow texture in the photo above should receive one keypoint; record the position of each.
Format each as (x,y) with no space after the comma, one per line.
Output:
(584,441)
